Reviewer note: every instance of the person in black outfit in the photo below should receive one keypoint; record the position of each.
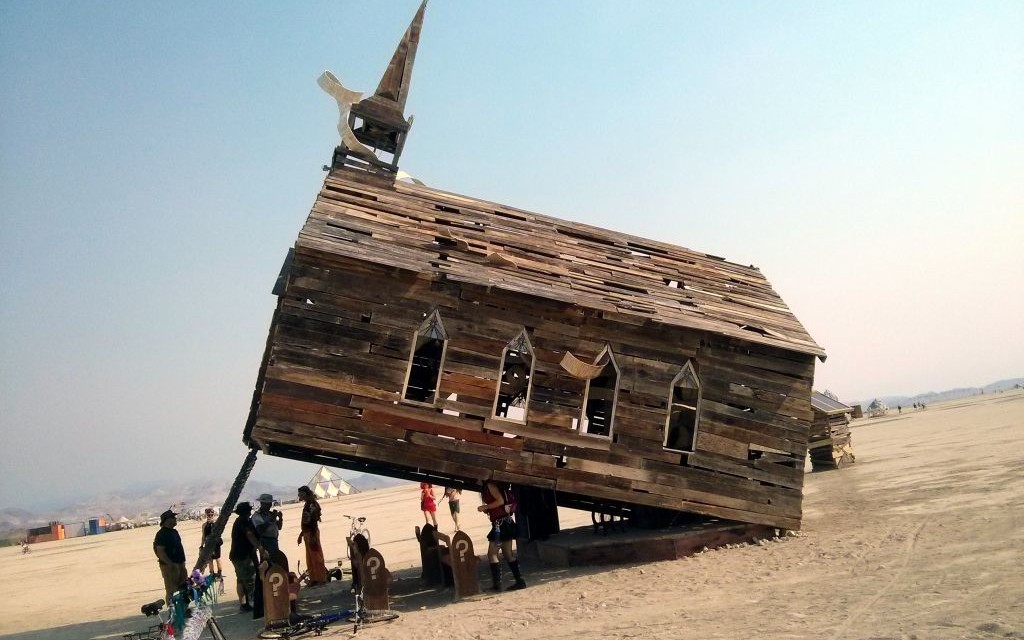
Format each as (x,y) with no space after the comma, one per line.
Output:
(244,545)
(214,566)
(170,554)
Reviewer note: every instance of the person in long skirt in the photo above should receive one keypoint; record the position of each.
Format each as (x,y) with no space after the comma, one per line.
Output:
(310,533)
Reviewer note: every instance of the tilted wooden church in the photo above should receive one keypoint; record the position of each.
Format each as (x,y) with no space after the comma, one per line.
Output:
(432,336)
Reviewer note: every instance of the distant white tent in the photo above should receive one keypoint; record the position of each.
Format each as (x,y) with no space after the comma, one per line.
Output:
(327,484)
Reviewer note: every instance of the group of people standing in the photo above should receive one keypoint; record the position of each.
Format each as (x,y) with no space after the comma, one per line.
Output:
(254,539)
(499,504)
(428,504)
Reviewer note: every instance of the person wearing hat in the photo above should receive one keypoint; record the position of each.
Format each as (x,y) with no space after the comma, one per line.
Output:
(268,522)
(214,565)
(244,545)
(170,554)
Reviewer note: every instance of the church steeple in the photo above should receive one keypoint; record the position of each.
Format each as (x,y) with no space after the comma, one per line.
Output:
(377,126)
(394,86)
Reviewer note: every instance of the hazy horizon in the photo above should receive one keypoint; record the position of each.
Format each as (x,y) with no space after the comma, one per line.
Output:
(156,163)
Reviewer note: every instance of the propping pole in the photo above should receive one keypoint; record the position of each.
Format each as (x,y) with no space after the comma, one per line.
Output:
(225,512)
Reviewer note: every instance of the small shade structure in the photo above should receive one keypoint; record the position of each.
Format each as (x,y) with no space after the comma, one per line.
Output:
(327,484)
(829,444)
(877,408)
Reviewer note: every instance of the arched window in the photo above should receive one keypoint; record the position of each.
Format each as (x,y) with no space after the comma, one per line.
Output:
(601,396)
(683,410)
(514,387)
(426,361)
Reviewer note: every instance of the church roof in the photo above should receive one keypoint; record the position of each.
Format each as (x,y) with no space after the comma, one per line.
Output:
(442,235)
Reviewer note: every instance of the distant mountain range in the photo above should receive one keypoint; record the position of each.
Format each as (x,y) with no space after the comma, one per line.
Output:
(131,504)
(933,397)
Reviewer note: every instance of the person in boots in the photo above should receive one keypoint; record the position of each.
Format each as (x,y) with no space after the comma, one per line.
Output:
(499,508)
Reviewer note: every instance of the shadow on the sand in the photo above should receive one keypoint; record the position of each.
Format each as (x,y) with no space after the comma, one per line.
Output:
(235,626)
(408,593)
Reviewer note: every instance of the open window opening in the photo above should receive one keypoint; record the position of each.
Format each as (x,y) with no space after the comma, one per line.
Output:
(426,361)
(513,397)
(601,396)
(683,410)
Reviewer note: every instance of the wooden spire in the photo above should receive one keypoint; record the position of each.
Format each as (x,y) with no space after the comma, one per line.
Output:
(393,89)
(377,124)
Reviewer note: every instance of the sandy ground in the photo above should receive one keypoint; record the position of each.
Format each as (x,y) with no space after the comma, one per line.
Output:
(921,538)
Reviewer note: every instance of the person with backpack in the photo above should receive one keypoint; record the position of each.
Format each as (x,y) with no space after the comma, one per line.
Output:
(500,505)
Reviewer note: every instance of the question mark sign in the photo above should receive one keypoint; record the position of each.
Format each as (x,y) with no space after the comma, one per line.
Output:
(276,581)
(373,564)
(462,546)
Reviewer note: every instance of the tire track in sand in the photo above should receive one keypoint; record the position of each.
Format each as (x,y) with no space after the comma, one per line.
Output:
(858,613)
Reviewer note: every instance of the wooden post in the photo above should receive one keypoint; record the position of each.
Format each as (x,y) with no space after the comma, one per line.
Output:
(430,556)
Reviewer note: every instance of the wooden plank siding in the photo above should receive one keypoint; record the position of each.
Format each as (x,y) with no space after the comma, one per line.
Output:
(372,263)
(829,438)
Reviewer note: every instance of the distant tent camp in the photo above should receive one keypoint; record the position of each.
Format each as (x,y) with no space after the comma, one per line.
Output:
(327,484)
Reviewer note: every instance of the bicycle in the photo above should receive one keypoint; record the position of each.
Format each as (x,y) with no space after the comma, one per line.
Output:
(164,629)
(358,528)
(359,617)
(181,624)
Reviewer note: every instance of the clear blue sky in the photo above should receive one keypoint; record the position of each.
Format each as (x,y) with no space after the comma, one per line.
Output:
(157,160)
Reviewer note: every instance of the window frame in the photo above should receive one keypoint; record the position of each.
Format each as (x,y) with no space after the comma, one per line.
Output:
(529,384)
(422,330)
(584,422)
(696,410)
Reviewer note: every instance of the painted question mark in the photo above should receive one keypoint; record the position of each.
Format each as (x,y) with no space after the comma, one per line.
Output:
(373,564)
(276,581)
(462,546)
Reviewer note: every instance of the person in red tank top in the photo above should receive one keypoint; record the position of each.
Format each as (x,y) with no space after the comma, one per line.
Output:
(502,535)
(427,504)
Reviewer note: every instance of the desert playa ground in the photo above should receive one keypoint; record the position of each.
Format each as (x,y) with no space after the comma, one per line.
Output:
(921,538)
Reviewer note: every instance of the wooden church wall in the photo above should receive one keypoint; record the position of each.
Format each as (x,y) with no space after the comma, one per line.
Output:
(338,356)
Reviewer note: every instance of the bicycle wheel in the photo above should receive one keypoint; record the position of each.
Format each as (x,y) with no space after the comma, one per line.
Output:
(372,616)
(285,633)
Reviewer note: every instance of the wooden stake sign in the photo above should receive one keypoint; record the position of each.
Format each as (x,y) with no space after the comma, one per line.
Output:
(376,579)
(464,561)
(275,590)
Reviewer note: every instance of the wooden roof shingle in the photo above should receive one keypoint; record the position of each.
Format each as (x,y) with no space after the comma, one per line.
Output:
(444,235)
